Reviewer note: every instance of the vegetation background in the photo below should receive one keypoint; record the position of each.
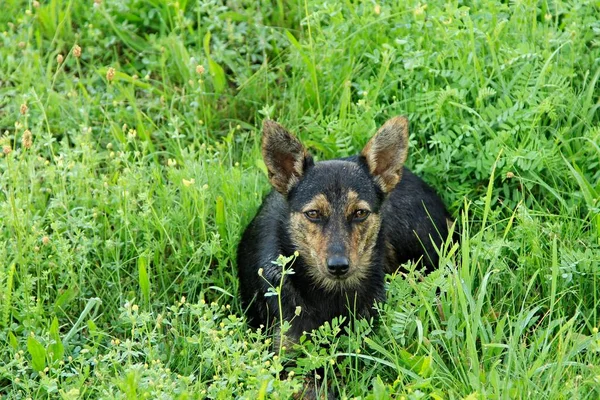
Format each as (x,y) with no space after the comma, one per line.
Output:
(130,165)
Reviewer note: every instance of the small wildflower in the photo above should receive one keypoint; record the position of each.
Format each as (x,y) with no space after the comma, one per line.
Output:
(260,272)
(548,17)
(23,109)
(27,139)
(59,59)
(298,310)
(200,69)
(377,9)
(135,77)
(135,308)
(28,12)
(77,51)
(187,182)
(45,240)
(36,4)
(332,361)
(595,330)
(182,301)
(109,146)
(171,162)
(6,149)
(509,175)
(420,10)
(110,74)
(205,187)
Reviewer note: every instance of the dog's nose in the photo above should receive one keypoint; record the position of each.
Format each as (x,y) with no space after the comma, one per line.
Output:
(337,265)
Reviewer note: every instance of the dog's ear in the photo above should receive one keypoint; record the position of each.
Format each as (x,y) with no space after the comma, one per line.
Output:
(386,153)
(285,157)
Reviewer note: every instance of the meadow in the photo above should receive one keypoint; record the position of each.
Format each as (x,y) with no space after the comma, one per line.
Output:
(130,164)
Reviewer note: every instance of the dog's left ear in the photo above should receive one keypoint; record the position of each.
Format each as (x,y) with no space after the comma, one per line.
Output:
(285,157)
(386,153)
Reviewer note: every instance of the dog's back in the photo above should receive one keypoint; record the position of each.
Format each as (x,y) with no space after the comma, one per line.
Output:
(414,224)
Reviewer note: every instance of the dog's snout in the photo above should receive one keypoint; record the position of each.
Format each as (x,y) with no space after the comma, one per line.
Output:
(338,265)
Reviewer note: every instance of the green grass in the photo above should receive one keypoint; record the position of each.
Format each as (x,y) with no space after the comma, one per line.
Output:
(118,226)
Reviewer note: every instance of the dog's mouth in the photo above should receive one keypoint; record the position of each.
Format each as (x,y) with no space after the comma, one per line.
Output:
(340,278)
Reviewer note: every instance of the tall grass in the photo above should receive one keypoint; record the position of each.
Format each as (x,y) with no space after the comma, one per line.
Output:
(119,223)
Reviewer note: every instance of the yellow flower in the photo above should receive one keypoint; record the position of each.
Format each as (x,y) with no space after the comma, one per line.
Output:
(188,182)
(110,74)
(27,139)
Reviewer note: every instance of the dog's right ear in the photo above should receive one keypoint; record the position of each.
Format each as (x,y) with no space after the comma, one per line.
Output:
(386,153)
(285,157)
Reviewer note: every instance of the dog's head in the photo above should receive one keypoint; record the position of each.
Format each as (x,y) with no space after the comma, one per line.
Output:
(335,205)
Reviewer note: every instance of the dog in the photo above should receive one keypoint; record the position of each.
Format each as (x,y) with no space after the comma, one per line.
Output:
(349,221)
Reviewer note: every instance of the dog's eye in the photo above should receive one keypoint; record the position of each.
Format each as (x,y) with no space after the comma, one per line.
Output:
(313,215)
(360,215)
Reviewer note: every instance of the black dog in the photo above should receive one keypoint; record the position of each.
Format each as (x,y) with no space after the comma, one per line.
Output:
(350,220)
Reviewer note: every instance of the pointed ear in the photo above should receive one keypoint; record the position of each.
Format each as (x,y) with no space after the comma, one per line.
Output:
(386,153)
(285,157)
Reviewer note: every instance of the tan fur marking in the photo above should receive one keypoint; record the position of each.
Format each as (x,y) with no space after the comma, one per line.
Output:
(311,243)
(319,203)
(360,249)
(387,151)
(353,203)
